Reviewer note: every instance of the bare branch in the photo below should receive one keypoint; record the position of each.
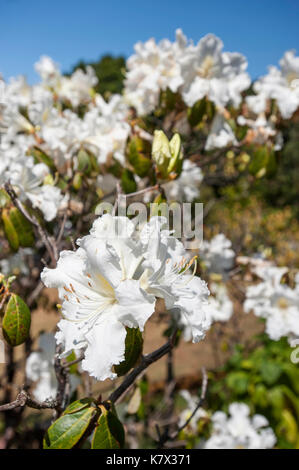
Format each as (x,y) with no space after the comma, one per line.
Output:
(24,399)
(166,436)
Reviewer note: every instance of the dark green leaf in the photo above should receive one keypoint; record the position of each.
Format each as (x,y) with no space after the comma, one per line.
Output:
(10,231)
(16,321)
(78,405)
(134,344)
(109,433)
(67,430)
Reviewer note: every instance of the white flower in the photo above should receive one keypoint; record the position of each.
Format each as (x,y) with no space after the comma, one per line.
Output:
(186,186)
(166,276)
(239,431)
(280,84)
(218,255)
(200,413)
(207,71)
(221,134)
(220,307)
(47,69)
(108,130)
(112,282)
(276,302)
(28,179)
(40,369)
(153,67)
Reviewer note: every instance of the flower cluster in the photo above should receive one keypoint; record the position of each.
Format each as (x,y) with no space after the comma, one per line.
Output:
(239,431)
(281,85)
(112,282)
(196,71)
(277,303)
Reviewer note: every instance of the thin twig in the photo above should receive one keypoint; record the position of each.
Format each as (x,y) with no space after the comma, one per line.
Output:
(199,404)
(171,437)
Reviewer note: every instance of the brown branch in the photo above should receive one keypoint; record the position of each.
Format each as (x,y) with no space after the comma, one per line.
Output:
(24,399)
(146,361)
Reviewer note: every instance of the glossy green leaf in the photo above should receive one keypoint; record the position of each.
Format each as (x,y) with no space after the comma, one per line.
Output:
(10,231)
(109,433)
(67,430)
(134,345)
(23,227)
(16,321)
(78,405)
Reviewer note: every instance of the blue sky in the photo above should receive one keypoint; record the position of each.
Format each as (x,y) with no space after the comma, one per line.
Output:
(69,30)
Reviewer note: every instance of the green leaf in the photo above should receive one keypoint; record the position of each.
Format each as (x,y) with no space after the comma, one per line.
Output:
(78,405)
(238,382)
(259,162)
(4,198)
(197,112)
(41,157)
(109,433)
(67,430)
(128,182)
(134,345)
(10,231)
(16,321)
(84,162)
(270,371)
(77,181)
(139,162)
(23,227)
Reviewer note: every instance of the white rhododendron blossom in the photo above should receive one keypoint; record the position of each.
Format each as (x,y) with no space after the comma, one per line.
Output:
(196,71)
(276,302)
(209,72)
(280,84)
(113,280)
(192,403)
(220,306)
(40,369)
(239,430)
(76,89)
(153,67)
(221,134)
(218,255)
(186,186)
(28,178)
